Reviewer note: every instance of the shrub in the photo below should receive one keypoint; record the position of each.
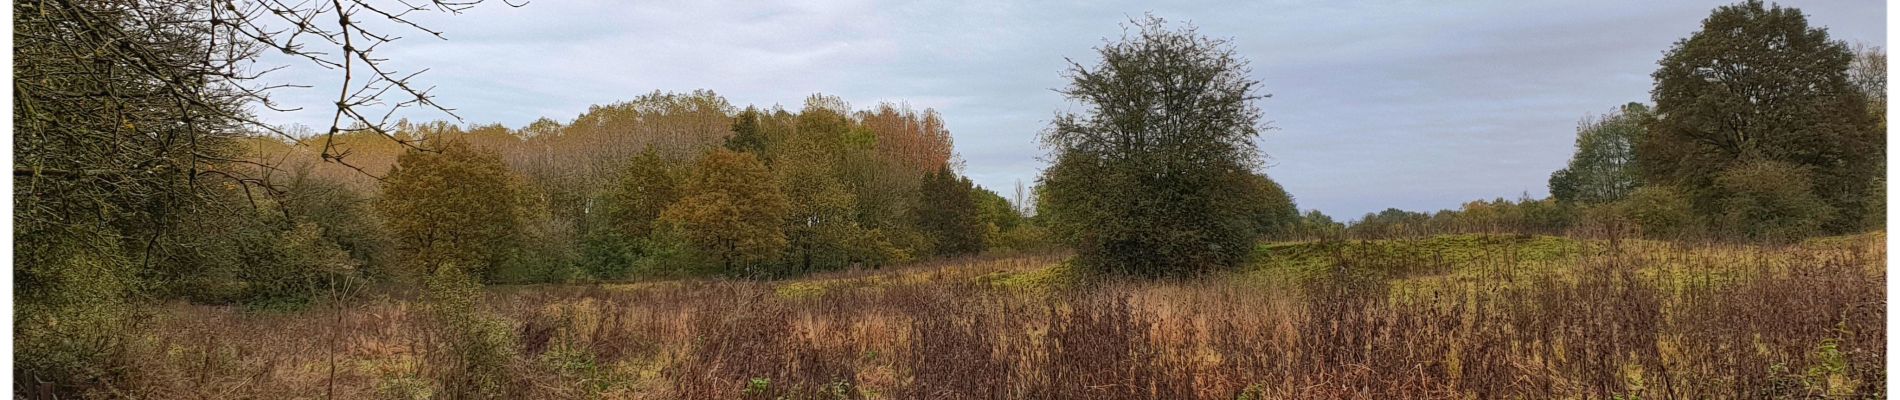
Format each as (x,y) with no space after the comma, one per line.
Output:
(476,348)
(1768,200)
(72,308)
(1659,211)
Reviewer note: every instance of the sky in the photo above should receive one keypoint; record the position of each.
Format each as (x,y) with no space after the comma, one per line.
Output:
(1418,105)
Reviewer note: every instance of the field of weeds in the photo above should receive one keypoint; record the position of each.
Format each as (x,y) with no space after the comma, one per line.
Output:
(1472,316)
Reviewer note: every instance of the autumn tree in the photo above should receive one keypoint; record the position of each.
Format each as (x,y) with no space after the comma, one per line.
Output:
(454,204)
(731,209)
(1144,180)
(1603,168)
(1758,84)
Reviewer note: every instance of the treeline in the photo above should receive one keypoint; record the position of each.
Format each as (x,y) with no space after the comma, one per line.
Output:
(667,184)
(1761,128)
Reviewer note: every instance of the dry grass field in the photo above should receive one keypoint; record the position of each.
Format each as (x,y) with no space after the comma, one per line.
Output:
(1467,316)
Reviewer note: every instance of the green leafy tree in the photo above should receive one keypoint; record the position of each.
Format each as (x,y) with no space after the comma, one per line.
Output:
(732,210)
(1392,222)
(121,125)
(996,210)
(1316,224)
(947,212)
(1269,207)
(1869,74)
(646,187)
(1143,182)
(747,134)
(820,226)
(632,207)
(455,204)
(998,218)
(1756,84)
(1603,168)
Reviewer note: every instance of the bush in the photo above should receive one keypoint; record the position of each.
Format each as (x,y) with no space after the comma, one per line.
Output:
(1768,200)
(72,308)
(477,348)
(342,216)
(1659,211)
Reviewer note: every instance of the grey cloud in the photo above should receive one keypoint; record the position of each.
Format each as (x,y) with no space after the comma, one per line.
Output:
(1414,104)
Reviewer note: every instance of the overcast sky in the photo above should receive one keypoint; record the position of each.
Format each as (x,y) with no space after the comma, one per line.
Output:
(1419,105)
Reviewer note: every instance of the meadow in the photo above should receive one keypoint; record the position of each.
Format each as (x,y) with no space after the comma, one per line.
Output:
(1450,316)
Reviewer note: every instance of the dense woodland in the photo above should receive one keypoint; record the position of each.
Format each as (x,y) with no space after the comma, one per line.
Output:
(143,176)
(667,184)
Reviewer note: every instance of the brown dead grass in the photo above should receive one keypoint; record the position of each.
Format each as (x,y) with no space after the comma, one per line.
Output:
(1635,320)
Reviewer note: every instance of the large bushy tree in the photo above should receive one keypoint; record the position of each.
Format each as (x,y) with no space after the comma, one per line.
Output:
(1758,84)
(731,210)
(454,204)
(1144,180)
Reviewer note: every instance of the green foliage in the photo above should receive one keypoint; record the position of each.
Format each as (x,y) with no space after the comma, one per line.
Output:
(1524,215)
(1391,222)
(1142,182)
(1268,206)
(1317,224)
(820,226)
(341,216)
(747,135)
(632,205)
(455,205)
(1603,168)
(476,348)
(265,255)
(731,210)
(1660,211)
(122,128)
(1712,117)
(1773,201)
(71,305)
(947,211)
(1004,226)
(646,187)
(542,250)
(758,386)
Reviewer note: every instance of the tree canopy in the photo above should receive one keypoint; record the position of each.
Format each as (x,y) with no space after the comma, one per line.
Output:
(1141,181)
(1758,84)
(1603,168)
